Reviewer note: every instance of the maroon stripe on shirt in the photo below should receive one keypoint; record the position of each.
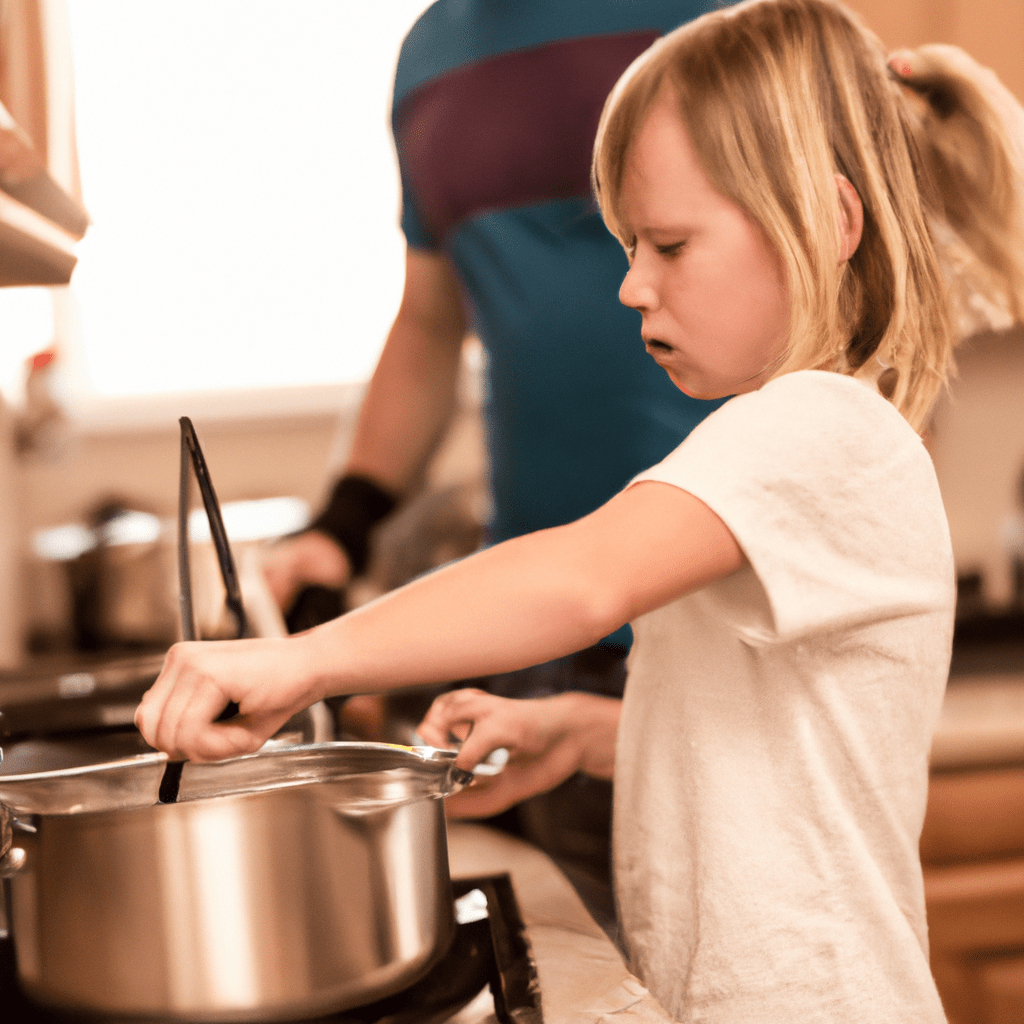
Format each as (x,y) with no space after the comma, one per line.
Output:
(509,130)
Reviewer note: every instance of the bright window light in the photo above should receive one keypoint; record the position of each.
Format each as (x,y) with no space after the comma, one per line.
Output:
(238,170)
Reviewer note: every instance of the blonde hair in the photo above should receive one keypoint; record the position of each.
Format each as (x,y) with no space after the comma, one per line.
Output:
(779,96)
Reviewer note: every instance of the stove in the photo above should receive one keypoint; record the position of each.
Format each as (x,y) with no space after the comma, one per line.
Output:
(490,950)
(74,692)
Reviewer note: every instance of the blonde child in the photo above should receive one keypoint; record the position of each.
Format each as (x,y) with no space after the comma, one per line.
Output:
(805,224)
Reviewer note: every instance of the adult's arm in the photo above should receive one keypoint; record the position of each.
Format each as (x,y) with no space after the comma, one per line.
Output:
(408,404)
(531,599)
(411,396)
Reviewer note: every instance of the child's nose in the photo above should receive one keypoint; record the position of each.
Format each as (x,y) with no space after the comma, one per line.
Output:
(637,290)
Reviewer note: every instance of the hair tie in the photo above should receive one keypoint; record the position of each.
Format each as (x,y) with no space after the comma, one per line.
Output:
(901,63)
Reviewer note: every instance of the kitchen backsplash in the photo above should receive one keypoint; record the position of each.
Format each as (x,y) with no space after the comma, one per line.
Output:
(977,441)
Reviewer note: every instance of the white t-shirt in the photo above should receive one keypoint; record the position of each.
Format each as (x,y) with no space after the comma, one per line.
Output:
(772,762)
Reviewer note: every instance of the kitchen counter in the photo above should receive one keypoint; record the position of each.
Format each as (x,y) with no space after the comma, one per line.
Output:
(583,979)
(982,722)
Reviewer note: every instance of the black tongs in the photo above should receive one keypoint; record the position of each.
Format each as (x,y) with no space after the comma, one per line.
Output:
(192,460)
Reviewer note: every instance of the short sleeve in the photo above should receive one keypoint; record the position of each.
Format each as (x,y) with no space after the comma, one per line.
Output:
(407,74)
(416,234)
(830,494)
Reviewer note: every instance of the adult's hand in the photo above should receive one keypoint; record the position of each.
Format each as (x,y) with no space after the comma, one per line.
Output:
(270,679)
(548,740)
(309,558)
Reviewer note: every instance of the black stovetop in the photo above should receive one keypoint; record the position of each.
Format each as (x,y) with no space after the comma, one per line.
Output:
(492,951)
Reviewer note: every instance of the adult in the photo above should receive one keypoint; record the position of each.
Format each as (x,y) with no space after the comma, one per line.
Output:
(495,109)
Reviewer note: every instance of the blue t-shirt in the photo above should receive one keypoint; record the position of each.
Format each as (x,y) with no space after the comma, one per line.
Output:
(496,104)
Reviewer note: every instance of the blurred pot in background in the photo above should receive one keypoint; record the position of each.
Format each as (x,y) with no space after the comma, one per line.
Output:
(119,573)
(119,582)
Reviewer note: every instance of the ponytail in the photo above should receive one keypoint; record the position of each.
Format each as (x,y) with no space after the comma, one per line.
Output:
(966,132)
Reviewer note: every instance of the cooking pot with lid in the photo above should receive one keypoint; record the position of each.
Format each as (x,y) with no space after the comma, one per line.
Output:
(290,883)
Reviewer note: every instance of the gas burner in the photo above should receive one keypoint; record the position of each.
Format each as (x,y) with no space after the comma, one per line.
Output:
(489,949)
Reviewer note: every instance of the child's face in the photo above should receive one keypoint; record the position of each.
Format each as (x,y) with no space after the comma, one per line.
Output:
(710,286)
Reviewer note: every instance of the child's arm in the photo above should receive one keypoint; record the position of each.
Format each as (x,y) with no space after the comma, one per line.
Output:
(517,604)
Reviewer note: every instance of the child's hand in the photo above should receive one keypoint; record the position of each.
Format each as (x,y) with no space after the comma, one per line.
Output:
(199,679)
(548,740)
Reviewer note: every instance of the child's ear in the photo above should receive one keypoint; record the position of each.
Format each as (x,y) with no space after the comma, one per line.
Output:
(851,218)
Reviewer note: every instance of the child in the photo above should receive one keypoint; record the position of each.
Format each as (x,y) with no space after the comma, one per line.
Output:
(784,197)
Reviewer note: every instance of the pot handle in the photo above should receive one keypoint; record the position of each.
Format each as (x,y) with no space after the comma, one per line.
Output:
(12,858)
(456,779)
(492,764)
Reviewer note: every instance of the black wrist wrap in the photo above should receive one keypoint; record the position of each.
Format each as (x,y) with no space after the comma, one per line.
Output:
(356,505)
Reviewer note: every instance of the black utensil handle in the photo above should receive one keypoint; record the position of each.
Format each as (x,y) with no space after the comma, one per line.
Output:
(188,622)
(192,459)
(232,589)
(170,782)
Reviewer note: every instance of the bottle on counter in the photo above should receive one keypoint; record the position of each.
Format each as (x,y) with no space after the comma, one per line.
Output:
(11,617)
(43,428)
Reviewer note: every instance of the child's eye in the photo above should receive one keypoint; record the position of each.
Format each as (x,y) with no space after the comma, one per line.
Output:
(674,249)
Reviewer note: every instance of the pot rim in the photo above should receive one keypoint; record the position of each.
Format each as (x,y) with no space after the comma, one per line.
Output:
(133,782)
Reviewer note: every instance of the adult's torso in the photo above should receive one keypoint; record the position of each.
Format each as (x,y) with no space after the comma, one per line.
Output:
(495,109)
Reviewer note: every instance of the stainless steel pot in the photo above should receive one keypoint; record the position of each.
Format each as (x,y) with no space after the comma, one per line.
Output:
(316,881)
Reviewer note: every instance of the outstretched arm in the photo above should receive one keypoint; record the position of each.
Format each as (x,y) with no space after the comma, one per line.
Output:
(517,604)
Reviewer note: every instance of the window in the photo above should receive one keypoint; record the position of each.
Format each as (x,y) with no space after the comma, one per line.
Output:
(241,180)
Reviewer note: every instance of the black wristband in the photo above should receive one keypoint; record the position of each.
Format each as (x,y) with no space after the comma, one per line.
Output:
(356,505)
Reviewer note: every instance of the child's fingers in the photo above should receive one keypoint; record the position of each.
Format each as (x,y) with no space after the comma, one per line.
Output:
(481,719)
(179,712)
(190,707)
(185,700)
(220,740)
(432,734)
(450,714)
(487,735)
(151,707)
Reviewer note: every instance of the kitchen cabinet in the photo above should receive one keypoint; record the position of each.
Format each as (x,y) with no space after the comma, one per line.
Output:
(39,221)
(972,850)
(33,250)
